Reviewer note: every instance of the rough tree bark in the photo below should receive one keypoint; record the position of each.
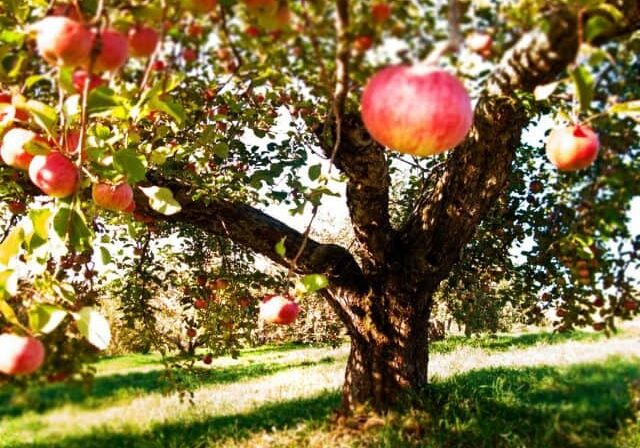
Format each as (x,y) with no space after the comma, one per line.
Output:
(383,291)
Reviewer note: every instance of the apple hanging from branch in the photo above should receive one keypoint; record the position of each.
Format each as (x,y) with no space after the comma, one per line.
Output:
(20,355)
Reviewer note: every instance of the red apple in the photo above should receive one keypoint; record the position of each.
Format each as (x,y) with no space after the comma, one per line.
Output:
(54,174)
(114,51)
(194,30)
(221,283)
(278,309)
(572,148)
(207,359)
(191,332)
(189,55)
(252,31)
(62,41)
(479,42)
(381,12)
(20,355)
(200,304)
(362,43)
(244,302)
(199,6)
(19,103)
(419,110)
(142,41)
(16,207)
(630,305)
(71,142)
(159,65)
(19,146)
(79,79)
(116,198)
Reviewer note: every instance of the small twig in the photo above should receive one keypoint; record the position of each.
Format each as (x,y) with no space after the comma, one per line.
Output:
(228,40)
(157,51)
(339,97)
(452,44)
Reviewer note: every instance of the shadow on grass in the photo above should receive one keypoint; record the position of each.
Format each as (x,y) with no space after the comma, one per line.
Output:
(507,342)
(202,433)
(111,388)
(583,405)
(539,407)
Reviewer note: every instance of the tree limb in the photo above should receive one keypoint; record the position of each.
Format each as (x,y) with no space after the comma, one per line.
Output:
(477,170)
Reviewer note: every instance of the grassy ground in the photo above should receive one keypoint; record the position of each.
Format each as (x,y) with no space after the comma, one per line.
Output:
(531,390)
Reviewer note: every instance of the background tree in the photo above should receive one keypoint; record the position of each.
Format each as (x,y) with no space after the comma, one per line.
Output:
(237,105)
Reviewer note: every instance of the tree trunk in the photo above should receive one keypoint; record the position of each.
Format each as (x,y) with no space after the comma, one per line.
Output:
(389,354)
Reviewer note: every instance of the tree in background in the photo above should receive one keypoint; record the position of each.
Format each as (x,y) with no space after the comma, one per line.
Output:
(188,118)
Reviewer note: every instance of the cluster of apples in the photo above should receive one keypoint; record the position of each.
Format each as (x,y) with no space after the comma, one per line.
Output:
(53,172)
(68,42)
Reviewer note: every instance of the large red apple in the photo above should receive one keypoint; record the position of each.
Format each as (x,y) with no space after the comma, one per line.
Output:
(199,6)
(20,355)
(18,146)
(63,41)
(114,51)
(116,198)
(54,174)
(419,110)
(279,310)
(572,148)
(142,41)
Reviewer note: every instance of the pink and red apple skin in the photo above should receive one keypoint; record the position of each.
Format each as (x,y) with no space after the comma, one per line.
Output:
(572,148)
(79,79)
(54,174)
(13,150)
(63,41)
(418,110)
(114,51)
(116,198)
(20,355)
(142,41)
(278,309)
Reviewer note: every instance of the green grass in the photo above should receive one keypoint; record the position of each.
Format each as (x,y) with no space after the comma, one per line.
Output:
(581,405)
(503,342)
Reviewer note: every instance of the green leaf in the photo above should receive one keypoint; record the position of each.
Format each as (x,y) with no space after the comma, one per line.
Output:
(8,283)
(315,171)
(10,247)
(45,318)
(280,248)
(161,200)
(40,223)
(221,150)
(627,108)
(105,255)
(312,283)
(130,163)
(596,26)
(44,115)
(34,79)
(169,107)
(8,313)
(71,224)
(102,99)
(94,327)
(584,85)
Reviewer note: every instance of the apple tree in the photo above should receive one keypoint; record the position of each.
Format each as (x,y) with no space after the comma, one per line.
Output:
(189,117)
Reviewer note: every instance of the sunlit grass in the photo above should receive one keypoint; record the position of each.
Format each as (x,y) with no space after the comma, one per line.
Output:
(529,390)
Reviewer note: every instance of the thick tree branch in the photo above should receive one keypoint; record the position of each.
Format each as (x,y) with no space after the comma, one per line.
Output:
(446,217)
(260,233)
